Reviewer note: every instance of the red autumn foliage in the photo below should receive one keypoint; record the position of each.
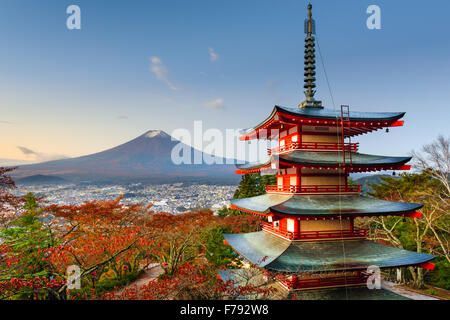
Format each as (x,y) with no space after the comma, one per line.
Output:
(192,281)
(101,235)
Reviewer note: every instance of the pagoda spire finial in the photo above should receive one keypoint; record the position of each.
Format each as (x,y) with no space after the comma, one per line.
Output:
(309,21)
(310,63)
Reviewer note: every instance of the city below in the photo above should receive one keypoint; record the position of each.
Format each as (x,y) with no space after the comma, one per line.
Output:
(174,198)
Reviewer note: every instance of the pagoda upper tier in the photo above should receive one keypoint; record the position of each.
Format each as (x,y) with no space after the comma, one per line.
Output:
(324,206)
(328,161)
(356,122)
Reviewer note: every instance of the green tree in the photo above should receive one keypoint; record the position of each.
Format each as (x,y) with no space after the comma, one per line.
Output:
(253,184)
(218,253)
(27,239)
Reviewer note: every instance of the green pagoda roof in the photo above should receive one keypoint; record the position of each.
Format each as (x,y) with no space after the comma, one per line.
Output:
(323,205)
(306,158)
(273,253)
(329,114)
(324,113)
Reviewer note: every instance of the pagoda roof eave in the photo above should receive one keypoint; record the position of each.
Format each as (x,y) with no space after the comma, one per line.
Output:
(323,206)
(329,114)
(273,253)
(324,114)
(332,159)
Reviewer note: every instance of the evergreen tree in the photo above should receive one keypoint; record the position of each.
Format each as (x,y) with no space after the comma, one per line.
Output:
(253,184)
(216,251)
(28,238)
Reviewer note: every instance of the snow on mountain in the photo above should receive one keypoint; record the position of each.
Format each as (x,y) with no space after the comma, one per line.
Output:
(156,133)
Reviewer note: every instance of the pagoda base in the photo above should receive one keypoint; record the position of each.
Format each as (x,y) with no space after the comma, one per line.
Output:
(324,281)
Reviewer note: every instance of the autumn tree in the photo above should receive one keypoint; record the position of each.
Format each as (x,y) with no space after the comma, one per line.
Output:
(112,242)
(434,159)
(430,233)
(100,237)
(9,203)
(196,280)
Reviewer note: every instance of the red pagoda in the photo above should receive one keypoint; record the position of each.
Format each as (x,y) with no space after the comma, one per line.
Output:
(309,235)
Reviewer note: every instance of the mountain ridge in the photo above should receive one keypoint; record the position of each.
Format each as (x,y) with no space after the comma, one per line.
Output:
(144,157)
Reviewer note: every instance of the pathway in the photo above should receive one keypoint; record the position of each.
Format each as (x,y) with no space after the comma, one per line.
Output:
(404,292)
(152,272)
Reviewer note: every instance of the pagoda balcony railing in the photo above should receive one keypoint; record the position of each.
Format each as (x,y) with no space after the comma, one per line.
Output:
(314,189)
(315,235)
(315,146)
(326,281)
(287,234)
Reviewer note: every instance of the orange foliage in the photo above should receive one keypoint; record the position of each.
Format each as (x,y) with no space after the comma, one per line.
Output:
(99,234)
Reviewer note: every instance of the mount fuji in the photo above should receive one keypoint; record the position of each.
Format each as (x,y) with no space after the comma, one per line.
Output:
(147,157)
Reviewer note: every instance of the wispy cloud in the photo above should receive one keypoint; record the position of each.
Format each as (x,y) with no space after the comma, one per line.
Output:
(122,117)
(161,72)
(5,122)
(39,156)
(213,56)
(216,104)
(271,84)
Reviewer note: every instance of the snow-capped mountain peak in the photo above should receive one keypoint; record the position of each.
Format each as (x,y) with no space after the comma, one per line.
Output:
(156,133)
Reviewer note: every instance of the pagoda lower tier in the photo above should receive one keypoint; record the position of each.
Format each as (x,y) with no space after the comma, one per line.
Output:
(273,253)
(328,161)
(303,282)
(320,217)
(308,265)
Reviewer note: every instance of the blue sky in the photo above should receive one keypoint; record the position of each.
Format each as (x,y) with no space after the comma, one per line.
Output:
(74,92)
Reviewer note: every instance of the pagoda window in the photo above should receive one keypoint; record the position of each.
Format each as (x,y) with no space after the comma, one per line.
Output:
(280,181)
(293,180)
(323,180)
(324,225)
(294,138)
(333,138)
(292,225)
